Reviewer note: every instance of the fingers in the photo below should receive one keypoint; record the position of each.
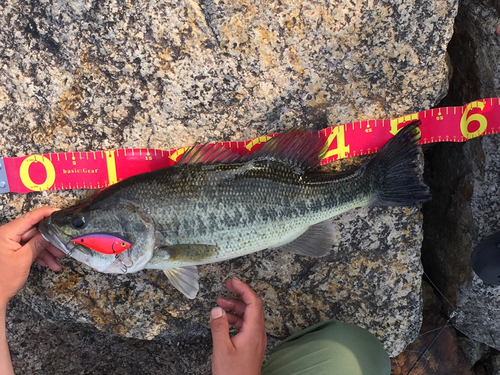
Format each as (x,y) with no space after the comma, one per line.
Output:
(235,305)
(29,235)
(37,245)
(44,253)
(235,320)
(47,259)
(25,223)
(220,331)
(243,290)
(232,304)
(51,248)
(254,310)
(55,251)
(40,262)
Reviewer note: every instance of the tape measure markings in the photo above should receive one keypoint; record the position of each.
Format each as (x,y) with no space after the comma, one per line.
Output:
(100,169)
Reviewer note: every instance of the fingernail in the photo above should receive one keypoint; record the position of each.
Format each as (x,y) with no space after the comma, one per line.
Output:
(216,313)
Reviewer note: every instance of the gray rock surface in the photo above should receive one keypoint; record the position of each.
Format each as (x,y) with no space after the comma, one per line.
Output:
(465,181)
(474,52)
(473,351)
(495,364)
(478,303)
(40,347)
(88,75)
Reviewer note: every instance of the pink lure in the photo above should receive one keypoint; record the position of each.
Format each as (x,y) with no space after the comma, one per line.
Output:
(104,243)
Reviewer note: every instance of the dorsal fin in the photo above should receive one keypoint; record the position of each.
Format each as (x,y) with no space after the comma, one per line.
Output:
(212,153)
(298,146)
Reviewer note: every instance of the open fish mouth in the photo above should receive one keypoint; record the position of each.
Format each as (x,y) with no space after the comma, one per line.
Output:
(119,263)
(45,229)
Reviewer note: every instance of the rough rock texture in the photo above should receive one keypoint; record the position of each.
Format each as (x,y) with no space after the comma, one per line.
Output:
(495,364)
(444,356)
(474,351)
(89,75)
(465,181)
(474,52)
(40,347)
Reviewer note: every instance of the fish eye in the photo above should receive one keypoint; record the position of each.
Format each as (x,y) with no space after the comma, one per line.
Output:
(78,221)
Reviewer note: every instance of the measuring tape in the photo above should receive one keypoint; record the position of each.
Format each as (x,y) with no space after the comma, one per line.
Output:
(98,169)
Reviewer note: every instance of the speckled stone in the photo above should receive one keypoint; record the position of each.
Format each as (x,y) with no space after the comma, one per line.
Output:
(87,75)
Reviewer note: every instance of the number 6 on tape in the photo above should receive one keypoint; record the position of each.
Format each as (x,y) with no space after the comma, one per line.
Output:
(103,243)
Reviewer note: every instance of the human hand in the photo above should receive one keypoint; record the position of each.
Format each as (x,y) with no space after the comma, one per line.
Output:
(244,353)
(20,244)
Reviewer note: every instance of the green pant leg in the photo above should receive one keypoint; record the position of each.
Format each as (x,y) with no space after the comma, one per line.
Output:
(329,348)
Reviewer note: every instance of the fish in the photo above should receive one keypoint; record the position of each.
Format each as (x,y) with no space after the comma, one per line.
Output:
(215,204)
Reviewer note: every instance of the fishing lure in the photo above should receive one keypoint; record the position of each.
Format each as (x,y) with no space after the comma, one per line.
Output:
(103,243)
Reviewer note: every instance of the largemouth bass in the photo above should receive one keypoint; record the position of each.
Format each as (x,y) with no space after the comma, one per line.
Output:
(215,205)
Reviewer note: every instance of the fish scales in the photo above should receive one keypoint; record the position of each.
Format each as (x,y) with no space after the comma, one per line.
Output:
(239,207)
(214,205)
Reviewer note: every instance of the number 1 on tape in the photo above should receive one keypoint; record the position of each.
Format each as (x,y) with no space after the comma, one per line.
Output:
(95,170)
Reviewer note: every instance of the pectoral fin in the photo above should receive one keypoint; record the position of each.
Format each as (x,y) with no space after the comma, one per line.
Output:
(185,280)
(316,241)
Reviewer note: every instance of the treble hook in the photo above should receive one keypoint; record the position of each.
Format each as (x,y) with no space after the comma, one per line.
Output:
(124,267)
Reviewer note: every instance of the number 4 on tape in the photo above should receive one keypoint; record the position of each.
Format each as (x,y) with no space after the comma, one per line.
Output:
(91,170)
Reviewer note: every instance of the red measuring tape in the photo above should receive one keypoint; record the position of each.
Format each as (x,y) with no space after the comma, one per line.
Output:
(98,169)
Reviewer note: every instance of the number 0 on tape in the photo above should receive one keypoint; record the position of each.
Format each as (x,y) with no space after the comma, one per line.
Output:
(98,169)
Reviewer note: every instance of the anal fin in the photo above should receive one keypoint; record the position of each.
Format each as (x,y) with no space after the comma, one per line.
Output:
(185,280)
(316,241)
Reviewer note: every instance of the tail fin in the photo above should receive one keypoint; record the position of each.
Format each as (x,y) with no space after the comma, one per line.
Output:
(397,170)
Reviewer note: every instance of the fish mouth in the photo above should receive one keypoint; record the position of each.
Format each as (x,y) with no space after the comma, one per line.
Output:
(51,236)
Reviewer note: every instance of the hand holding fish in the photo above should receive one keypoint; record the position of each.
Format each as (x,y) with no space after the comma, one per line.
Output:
(215,204)
(20,245)
(243,354)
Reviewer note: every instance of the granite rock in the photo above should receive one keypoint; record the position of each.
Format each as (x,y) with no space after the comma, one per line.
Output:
(41,347)
(465,180)
(495,364)
(88,75)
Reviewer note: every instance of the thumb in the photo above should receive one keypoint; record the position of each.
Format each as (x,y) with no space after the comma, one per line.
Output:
(36,245)
(220,330)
